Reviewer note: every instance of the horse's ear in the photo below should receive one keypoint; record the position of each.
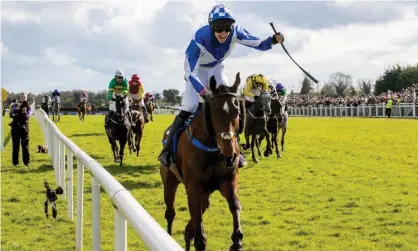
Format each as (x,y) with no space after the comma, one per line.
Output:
(212,84)
(234,88)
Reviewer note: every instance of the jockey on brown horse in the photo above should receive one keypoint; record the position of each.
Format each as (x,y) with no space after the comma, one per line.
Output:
(149,103)
(136,92)
(83,97)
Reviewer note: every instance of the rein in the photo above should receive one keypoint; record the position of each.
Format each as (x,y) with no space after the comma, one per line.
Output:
(209,127)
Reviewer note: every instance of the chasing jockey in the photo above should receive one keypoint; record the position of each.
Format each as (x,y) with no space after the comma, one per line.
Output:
(118,85)
(281,90)
(150,97)
(83,97)
(46,99)
(282,93)
(136,92)
(55,94)
(255,85)
(205,56)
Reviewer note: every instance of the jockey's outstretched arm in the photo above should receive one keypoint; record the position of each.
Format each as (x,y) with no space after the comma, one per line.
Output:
(246,38)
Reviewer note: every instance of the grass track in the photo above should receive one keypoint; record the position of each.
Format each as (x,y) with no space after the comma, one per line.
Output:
(343,184)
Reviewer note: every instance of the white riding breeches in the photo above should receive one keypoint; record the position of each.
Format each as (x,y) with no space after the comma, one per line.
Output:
(256,92)
(140,102)
(112,105)
(133,96)
(191,98)
(83,99)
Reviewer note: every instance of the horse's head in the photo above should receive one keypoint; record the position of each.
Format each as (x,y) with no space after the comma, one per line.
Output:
(120,106)
(264,102)
(222,119)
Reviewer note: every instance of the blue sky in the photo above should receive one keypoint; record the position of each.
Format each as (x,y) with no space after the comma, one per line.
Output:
(74,45)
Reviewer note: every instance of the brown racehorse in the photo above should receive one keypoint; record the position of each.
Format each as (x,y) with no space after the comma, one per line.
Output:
(81,111)
(210,166)
(138,129)
(149,106)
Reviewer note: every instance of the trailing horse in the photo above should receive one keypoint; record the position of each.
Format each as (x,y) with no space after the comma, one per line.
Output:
(44,107)
(205,159)
(55,108)
(256,123)
(81,110)
(149,106)
(275,120)
(136,132)
(118,128)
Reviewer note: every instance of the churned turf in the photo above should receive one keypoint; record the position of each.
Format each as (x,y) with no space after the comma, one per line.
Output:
(342,184)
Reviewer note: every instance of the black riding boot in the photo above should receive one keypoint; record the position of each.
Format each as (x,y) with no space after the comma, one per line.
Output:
(144,109)
(164,157)
(109,115)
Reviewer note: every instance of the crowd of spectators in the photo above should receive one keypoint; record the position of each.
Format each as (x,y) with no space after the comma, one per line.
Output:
(404,96)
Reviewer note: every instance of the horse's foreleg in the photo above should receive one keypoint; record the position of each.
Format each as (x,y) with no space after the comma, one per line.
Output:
(194,197)
(274,139)
(253,138)
(268,150)
(113,147)
(228,189)
(122,144)
(257,144)
(283,134)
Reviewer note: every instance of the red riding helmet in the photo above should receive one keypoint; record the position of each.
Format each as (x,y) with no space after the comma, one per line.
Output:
(135,77)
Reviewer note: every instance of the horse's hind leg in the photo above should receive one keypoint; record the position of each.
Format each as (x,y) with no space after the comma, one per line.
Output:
(138,138)
(283,134)
(171,184)
(228,190)
(260,139)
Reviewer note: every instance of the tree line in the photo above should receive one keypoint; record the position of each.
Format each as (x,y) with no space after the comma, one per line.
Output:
(395,78)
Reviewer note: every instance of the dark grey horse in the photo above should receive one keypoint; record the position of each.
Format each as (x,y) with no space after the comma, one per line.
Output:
(277,120)
(118,128)
(256,124)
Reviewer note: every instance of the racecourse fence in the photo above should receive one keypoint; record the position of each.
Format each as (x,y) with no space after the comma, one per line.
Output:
(406,110)
(127,210)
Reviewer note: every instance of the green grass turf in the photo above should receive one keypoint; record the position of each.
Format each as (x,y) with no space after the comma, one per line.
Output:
(342,184)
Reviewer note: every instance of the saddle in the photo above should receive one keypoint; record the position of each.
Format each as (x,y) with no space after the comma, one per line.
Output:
(189,135)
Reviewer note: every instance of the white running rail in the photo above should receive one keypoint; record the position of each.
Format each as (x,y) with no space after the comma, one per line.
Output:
(127,209)
(408,110)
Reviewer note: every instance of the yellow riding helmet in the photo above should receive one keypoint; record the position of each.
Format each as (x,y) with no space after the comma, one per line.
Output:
(259,79)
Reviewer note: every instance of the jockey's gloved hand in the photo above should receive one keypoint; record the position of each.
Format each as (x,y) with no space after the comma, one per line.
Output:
(278,38)
(207,96)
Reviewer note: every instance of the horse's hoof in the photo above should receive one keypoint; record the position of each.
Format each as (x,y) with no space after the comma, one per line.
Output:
(233,248)
(279,156)
(117,161)
(255,160)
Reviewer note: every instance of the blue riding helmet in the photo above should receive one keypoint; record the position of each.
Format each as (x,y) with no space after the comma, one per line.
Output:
(279,87)
(220,11)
